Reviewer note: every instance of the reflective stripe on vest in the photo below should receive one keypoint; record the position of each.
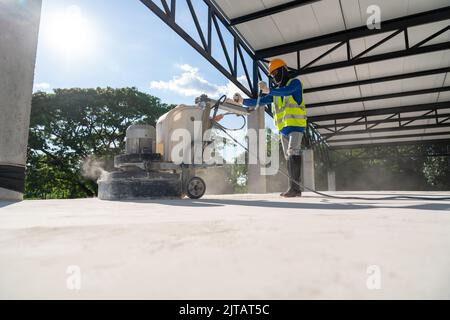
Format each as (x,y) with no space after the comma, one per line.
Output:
(289,116)
(288,113)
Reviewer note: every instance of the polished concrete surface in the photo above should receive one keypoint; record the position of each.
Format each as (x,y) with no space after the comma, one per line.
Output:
(228,247)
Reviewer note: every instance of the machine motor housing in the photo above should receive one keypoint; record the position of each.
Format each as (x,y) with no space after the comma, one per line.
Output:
(140,139)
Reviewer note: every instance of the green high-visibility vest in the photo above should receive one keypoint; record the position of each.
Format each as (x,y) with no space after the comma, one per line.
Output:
(288,113)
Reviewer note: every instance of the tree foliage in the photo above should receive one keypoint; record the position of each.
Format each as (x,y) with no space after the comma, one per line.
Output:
(437,172)
(69,125)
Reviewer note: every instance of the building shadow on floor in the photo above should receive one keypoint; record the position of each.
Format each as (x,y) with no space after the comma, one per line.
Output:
(323,205)
(396,193)
(7,203)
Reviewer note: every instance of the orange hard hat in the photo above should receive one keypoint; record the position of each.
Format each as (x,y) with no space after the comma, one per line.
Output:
(276,64)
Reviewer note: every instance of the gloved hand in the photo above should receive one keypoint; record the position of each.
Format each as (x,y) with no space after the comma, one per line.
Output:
(263,87)
(238,98)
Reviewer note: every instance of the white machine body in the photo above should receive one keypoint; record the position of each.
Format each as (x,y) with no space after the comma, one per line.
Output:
(182,122)
(193,121)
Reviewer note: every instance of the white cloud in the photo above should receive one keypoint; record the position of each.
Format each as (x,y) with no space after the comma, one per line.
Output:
(192,84)
(42,86)
(230,88)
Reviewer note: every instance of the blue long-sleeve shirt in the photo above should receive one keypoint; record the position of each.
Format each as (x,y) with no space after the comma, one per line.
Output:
(294,89)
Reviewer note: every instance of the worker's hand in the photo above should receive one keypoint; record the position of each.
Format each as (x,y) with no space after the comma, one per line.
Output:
(231,101)
(218,117)
(263,87)
(238,98)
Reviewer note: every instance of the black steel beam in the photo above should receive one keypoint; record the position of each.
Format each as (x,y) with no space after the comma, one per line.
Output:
(358,32)
(396,157)
(378,97)
(215,9)
(270,11)
(223,44)
(323,55)
(375,58)
(378,80)
(205,52)
(255,78)
(387,143)
(197,24)
(381,130)
(173,7)
(166,7)
(385,39)
(382,111)
(416,135)
(382,121)
(434,35)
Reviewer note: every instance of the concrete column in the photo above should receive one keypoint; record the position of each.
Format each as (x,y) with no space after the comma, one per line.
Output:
(256,181)
(19,26)
(331,180)
(308,169)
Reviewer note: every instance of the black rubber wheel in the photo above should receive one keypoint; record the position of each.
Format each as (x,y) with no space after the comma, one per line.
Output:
(195,188)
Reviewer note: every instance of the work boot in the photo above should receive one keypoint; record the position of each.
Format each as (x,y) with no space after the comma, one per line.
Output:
(288,166)
(294,170)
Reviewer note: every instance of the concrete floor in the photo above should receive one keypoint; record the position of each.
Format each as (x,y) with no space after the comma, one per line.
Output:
(227,247)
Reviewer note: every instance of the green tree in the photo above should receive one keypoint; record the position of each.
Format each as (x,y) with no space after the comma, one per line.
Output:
(69,125)
(437,172)
(238,173)
(409,167)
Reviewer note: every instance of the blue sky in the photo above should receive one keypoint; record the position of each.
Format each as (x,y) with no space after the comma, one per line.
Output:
(121,43)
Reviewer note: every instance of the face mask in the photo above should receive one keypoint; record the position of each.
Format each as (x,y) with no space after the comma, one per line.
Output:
(278,76)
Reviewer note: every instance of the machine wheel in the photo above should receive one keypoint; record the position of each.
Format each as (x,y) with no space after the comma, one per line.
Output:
(195,188)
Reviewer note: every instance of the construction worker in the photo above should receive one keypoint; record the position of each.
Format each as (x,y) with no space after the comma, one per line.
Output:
(289,115)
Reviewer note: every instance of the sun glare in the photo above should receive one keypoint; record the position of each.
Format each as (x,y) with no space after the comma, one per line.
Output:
(70,33)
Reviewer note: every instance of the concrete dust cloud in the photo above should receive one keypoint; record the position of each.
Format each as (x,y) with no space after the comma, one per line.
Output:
(94,168)
(217,179)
